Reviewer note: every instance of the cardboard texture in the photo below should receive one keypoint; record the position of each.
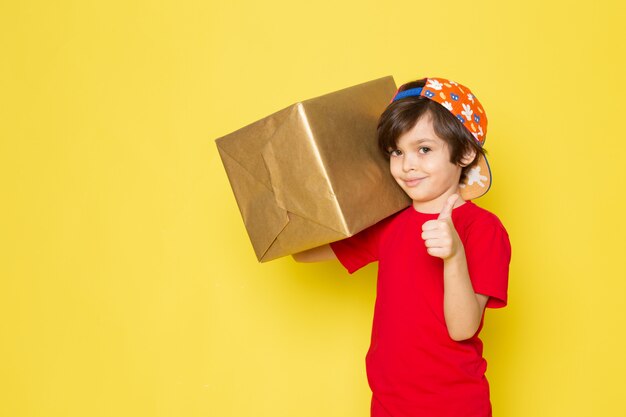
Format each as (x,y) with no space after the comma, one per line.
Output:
(312,173)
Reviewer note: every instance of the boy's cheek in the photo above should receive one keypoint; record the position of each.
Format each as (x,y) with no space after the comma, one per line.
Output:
(400,183)
(395,170)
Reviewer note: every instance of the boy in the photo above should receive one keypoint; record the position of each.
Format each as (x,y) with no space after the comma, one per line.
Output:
(441,261)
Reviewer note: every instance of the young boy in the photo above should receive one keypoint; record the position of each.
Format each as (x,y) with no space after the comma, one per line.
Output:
(441,260)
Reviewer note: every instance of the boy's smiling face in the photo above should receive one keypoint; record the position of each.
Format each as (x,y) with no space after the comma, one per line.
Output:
(421,165)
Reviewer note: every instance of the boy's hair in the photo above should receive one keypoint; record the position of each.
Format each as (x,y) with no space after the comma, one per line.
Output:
(402,115)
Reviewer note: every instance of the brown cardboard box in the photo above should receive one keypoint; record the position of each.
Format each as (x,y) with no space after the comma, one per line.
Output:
(312,173)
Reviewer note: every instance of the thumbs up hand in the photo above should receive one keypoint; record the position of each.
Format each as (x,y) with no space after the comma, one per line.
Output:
(439,235)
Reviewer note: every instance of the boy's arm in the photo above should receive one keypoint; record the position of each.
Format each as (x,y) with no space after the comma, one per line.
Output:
(318,254)
(463,308)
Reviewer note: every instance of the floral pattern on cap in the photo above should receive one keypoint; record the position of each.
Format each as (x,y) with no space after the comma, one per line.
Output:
(459,101)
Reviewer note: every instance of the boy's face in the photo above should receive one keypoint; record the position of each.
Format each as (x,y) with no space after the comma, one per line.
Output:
(421,166)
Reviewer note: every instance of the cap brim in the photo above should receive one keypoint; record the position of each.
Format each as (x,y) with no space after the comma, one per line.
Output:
(478,180)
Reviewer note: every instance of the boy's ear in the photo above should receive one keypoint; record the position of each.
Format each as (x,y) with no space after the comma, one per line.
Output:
(468,158)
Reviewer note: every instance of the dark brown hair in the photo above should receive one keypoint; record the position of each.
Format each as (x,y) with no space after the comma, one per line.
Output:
(402,115)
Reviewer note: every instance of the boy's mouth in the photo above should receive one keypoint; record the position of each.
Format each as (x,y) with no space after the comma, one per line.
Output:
(412,182)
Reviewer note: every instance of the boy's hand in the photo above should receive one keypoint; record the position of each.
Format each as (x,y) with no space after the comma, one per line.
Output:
(439,235)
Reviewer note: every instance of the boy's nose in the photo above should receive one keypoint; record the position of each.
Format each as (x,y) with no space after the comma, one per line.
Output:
(408,163)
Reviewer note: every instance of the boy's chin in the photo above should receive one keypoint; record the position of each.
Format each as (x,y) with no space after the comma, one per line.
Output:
(414,193)
(423,198)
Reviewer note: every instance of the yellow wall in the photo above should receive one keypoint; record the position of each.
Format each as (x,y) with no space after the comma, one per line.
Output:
(128,286)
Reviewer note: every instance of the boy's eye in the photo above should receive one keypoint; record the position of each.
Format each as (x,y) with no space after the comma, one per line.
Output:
(395,152)
(424,149)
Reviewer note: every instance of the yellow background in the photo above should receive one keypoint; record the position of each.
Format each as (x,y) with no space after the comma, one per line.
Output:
(128,284)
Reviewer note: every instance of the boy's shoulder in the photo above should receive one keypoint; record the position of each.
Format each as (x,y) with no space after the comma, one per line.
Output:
(473,216)
(395,221)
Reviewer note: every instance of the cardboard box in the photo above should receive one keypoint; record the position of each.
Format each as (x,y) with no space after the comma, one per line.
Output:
(312,173)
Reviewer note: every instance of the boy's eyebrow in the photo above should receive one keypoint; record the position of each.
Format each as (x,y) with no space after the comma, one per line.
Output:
(420,141)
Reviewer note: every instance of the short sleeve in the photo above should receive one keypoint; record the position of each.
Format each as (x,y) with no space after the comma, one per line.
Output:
(488,253)
(360,249)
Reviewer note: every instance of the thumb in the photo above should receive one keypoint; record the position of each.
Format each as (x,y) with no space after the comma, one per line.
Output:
(446,213)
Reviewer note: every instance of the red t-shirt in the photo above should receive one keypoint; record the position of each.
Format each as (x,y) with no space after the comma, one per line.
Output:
(414,368)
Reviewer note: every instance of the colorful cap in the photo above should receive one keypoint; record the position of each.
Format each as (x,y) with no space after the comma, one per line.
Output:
(464,105)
